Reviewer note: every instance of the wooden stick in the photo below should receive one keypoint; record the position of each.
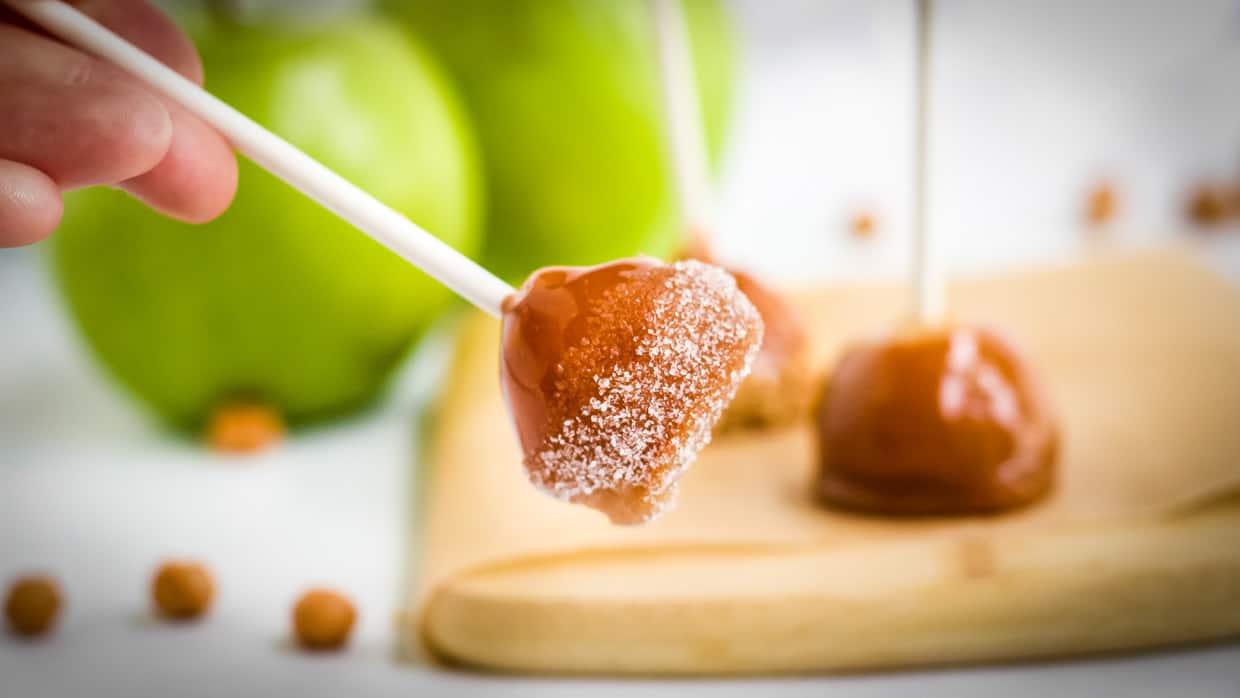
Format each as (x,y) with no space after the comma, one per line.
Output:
(928,285)
(269,151)
(683,117)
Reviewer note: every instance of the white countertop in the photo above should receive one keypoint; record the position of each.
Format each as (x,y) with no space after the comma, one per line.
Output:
(92,493)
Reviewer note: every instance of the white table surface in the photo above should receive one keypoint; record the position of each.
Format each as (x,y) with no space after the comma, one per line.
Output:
(91,492)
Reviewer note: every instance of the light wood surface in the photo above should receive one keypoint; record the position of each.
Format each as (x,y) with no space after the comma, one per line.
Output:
(1138,546)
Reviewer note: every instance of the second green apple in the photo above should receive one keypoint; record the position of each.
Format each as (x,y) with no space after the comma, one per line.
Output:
(564,98)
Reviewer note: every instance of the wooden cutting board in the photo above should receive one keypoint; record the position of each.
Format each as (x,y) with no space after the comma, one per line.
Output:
(1139,546)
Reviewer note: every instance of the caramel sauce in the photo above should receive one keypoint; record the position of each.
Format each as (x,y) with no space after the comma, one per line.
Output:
(938,422)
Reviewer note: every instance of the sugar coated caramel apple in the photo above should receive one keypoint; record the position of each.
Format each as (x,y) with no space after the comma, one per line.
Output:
(780,388)
(947,421)
(615,376)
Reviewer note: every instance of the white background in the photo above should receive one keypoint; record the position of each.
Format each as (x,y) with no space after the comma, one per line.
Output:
(1035,101)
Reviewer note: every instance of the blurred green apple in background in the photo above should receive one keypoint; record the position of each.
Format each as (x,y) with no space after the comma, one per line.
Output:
(564,98)
(278,300)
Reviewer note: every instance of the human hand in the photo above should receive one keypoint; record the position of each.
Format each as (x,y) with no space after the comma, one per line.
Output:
(69,120)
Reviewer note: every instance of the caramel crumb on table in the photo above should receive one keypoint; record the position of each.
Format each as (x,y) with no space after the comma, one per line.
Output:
(244,427)
(182,590)
(862,225)
(323,619)
(32,605)
(1101,205)
(1210,205)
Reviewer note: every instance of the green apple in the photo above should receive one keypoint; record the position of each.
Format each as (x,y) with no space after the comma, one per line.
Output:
(564,98)
(278,300)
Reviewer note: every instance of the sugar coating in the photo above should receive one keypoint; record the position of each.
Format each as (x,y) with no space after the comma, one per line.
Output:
(662,355)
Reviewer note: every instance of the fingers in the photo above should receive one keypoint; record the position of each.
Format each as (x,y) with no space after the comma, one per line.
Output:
(38,58)
(83,122)
(96,132)
(30,204)
(80,121)
(197,178)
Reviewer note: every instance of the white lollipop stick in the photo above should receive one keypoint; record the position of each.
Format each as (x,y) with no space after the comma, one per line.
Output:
(927,285)
(304,173)
(683,116)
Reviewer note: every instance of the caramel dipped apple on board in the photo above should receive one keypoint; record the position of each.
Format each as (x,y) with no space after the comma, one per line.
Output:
(938,418)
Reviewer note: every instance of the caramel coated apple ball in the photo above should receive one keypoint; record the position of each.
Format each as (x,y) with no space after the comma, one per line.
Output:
(323,619)
(935,422)
(32,605)
(615,375)
(182,590)
(780,387)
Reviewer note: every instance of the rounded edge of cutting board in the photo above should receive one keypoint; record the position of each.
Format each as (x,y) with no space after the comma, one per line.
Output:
(754,610)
